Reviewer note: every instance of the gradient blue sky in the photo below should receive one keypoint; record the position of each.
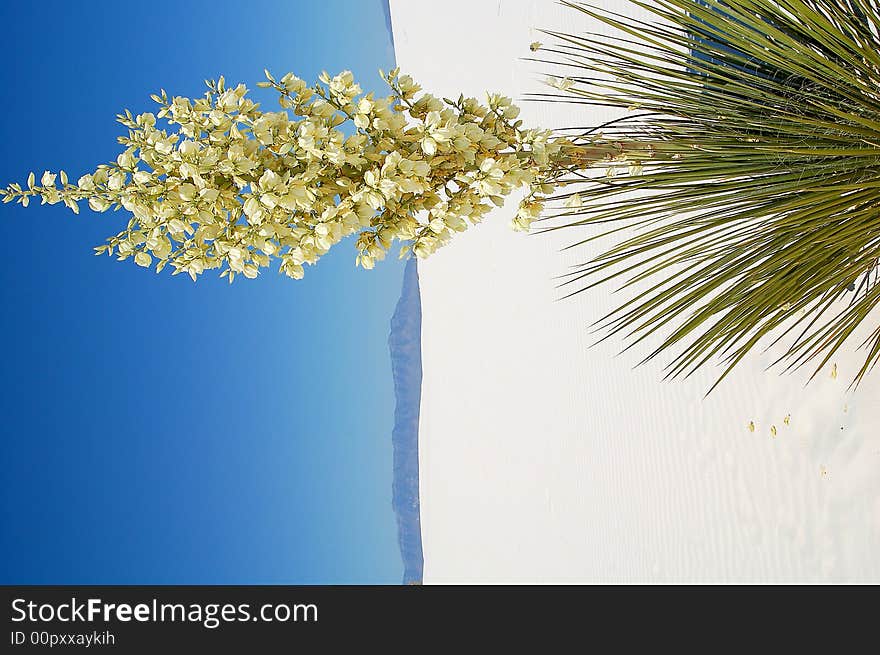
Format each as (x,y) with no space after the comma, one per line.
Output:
(156,430)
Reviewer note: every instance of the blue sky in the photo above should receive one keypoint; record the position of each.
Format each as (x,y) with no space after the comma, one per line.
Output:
(157,430)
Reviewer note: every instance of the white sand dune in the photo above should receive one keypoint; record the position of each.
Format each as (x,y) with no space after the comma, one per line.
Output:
(545,460)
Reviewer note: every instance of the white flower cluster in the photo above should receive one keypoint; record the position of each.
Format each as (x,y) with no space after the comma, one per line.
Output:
(233,187)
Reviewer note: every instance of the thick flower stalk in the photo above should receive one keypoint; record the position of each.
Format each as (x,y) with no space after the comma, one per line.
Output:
(234,187)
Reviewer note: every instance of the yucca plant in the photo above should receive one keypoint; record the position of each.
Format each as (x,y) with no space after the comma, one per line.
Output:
(757,217)
(753,148)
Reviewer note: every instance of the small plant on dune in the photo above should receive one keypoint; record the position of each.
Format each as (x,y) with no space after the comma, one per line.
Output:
(751,151)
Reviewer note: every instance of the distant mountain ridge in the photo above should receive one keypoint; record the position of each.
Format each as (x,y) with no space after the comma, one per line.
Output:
(386,9)
(405,344)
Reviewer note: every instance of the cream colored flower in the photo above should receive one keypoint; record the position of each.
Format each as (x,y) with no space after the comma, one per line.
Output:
(143,259)
(561,83)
